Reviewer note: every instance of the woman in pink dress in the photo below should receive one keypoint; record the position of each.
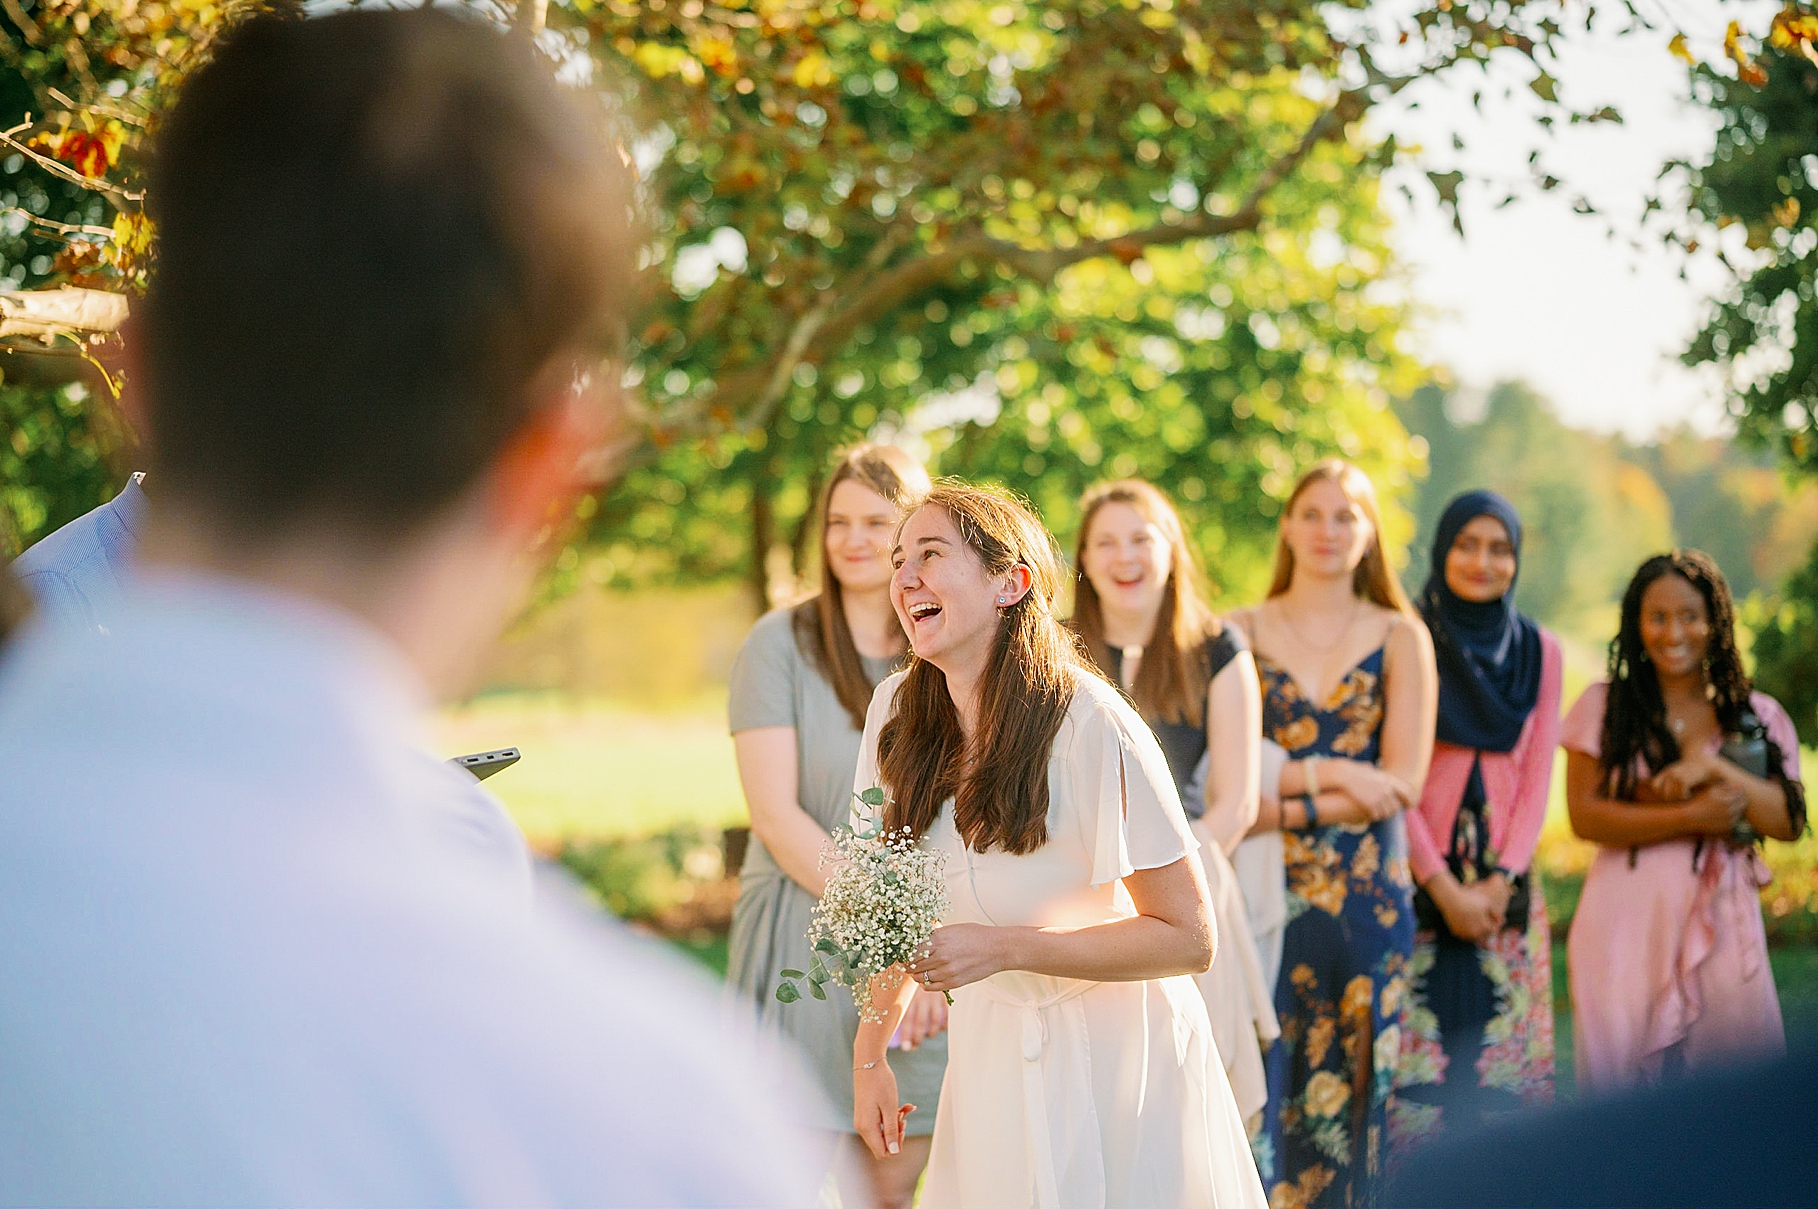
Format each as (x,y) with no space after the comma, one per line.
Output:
(1668,957)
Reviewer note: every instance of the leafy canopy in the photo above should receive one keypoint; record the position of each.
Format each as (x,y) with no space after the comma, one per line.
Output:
(1050,241)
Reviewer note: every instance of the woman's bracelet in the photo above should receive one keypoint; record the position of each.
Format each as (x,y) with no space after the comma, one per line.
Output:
(868,1065)
(1310,772)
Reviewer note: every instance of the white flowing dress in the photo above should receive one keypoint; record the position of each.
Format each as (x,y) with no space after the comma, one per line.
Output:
(1061,1093)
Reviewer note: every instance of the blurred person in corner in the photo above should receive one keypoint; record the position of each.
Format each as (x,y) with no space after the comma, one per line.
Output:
(77,573)
(77,577)
(1720,1139)
(243,963)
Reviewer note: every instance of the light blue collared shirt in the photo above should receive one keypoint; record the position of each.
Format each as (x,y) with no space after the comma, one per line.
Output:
(76,574)
(246,962)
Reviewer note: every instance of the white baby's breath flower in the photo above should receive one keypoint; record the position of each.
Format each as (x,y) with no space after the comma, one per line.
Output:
(886,895)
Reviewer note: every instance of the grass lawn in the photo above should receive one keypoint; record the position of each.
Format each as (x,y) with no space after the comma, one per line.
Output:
(595,769)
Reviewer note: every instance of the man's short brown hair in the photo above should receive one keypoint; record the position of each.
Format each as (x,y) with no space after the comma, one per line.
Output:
(376,231)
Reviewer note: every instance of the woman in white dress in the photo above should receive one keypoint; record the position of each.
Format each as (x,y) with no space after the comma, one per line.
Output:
(1082,1072)
(1137,606)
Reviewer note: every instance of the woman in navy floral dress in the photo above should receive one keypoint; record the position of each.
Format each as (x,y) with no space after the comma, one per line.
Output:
(1349,691)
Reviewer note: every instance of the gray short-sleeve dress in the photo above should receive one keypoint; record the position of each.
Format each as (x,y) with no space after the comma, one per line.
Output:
(775,684)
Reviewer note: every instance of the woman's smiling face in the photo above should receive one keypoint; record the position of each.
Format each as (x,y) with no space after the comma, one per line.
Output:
(1675,626)
(1326,530)
(1127,559)
(1480,566)
(946,600)
(859,521)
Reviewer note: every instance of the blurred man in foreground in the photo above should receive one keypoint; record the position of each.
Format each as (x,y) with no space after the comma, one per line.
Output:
(242,962)
(1722,1139)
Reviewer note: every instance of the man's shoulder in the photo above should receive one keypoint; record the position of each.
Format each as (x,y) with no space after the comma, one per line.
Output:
(64,550)
(67,569)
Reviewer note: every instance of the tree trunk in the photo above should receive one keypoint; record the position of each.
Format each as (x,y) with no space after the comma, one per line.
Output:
(805,543)
(763,536)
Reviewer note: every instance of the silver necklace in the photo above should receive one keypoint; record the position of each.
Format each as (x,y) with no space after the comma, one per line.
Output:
(1356,608)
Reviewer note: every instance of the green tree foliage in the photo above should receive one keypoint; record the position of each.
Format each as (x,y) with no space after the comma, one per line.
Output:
(1735,504)
(1134,234)
(1785,647)
(1762,175)
(1056,241)
(80,84)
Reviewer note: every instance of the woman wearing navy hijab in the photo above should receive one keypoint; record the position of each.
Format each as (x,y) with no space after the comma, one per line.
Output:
(1478,1035)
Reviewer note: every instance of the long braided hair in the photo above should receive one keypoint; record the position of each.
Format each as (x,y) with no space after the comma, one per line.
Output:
(1634,719)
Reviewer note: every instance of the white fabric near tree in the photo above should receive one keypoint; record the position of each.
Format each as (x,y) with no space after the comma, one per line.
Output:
(1063,1094)
(1239,1001)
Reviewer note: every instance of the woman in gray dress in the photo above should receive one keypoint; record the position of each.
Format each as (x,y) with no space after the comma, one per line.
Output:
(800,689)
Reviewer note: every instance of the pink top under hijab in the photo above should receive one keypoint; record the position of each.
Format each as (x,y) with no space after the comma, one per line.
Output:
(1515,784)
(1667,950)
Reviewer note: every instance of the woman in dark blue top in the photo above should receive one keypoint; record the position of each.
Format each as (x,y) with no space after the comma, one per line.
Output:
(1138,608)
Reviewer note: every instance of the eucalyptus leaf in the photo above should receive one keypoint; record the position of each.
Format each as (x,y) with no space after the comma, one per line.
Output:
(814,988)
(872,797)
(786,993)
(792,974)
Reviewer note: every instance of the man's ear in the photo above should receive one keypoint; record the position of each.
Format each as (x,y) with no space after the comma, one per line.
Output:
(548,462)
(1015,585)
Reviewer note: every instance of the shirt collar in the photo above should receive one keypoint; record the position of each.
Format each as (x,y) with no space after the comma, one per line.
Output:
(129,506)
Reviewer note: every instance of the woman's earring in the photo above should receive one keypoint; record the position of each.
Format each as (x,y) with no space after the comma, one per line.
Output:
(1001,600)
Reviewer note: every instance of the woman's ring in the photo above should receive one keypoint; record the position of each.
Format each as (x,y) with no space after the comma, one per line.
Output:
(927,978)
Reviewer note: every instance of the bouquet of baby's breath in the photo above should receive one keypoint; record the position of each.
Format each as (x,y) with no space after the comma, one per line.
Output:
(884,899)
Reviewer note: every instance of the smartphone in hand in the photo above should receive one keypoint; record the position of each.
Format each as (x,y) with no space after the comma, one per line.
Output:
(483,764)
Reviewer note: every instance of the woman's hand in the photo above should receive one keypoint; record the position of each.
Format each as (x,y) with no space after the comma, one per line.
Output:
(1382,794)
(1339,809)
(1716,809)
(925,1017)
(959,954)
(1468,914)
(876,1114)
(1496,892)
(1679,781)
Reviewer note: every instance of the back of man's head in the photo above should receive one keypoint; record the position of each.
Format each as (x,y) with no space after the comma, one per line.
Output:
(379,232)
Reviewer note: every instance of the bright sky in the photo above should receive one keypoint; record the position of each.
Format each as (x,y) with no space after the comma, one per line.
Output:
(1535,291)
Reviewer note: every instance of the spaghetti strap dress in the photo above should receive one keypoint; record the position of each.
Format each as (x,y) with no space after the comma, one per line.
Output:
(1063,1093)
(1346,953)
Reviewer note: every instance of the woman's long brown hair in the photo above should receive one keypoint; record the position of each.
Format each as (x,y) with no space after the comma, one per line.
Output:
(821,631)
(1172,681)
(1372,580)
(1000,795)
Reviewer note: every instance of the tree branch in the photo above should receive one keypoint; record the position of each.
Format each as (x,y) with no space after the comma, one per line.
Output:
(23,20)
(753,394)
(55,168)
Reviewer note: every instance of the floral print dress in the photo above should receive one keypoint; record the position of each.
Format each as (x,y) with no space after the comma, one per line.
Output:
(1346,953)
(1477,1035)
